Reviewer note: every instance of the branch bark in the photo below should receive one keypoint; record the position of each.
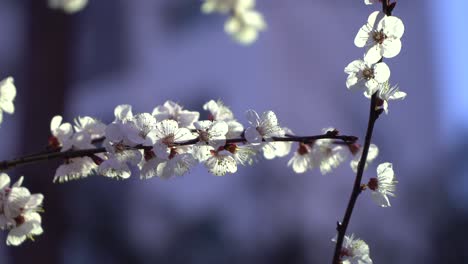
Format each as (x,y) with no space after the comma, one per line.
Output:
(373,116)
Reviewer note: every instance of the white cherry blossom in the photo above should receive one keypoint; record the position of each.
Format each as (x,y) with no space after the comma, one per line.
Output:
(18,211)
(211,133)
(75,168)
(327,155)
(218,111)
(371,155)
(123,113)
(387,93)
(218,161)
(235,129)
(168,132)
(262,128)
(61,133)
(7,95)
(354,251)
(244,25)
(364,75)
(117,165)
(68,6)
(172,111)
(302,160)
(279,149)
(92,126)
(142,129)
(381,37)
(177,164)
(384,185)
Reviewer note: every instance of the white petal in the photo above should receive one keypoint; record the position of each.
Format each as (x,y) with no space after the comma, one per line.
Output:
(123,112)
(219,166)
(362,37)
(203,125)
(220,128)
(381,72)
(373,55)
(398,95)
(4,181)
(391,47)
(7,89)
(252,135)
(380,199)
(166,128)
(355,66)
(252,118)
(7,106)
(55,123)
(392,26)
(161,150)
(385,172)
(351,81)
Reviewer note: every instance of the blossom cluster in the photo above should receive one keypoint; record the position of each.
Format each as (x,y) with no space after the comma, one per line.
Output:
(19,211)
(244,21)
(381,38)
(171,140)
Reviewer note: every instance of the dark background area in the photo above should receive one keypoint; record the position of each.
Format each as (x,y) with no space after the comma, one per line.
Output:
(144,52)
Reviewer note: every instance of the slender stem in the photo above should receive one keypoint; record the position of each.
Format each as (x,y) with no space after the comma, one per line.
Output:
(42,156)
(341,227)
(373,116)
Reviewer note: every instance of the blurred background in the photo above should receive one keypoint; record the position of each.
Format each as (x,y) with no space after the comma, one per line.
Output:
(144,52)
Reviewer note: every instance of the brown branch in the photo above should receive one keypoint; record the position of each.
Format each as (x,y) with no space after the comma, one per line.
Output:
(373,116)
(42,156)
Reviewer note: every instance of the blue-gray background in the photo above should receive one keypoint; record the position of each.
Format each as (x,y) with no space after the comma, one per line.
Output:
(144,52)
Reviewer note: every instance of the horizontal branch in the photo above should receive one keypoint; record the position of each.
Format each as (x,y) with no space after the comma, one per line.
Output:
(48,155)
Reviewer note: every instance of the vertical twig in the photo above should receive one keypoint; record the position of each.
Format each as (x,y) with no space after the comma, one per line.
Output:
(373,116)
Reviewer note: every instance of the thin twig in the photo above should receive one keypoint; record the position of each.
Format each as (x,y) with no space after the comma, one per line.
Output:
(42,156)
(373,116)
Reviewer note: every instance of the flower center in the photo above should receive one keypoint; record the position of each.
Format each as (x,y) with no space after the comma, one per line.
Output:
(303,149)
(53,143)
(173,153)
(19,220)
(368,73)
(378,36)
(203,136)
(231,148)
(168,140)
(119,147)
(345,253)
(373,184)
(149,154)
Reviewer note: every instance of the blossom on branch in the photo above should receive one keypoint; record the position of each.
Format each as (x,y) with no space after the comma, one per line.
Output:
(173,111)
(7,95)
(19,211)
(262,128)
(371,155)
(380,36)
(384,185)
(387,93)
(354,251)
(367,76)
(61,133)
(303,159)
(211,133)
